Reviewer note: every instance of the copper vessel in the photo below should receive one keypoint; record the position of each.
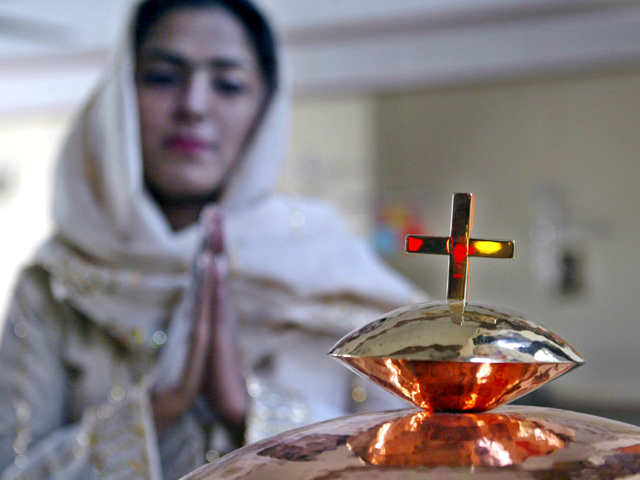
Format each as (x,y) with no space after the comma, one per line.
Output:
(508,443)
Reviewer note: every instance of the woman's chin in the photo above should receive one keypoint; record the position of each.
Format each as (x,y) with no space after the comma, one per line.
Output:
(189,181)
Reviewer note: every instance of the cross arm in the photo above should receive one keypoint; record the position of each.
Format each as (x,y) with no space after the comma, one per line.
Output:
(491,248)
(428,245)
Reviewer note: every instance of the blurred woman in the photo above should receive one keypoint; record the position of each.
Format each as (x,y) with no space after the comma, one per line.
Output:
(180,308)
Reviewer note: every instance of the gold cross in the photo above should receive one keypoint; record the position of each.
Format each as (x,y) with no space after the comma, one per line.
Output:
(459,246)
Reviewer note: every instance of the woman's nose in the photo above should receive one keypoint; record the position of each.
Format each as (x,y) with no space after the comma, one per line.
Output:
(194,97)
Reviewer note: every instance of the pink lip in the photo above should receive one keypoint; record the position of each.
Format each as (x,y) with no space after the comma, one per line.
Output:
(187,144)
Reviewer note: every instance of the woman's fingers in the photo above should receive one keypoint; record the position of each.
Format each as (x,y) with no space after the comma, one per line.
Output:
(213,220)
(224,385)
(201,334)
(171,404)
(214,291)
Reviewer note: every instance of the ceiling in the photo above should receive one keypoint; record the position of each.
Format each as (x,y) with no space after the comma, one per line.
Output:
(51,51)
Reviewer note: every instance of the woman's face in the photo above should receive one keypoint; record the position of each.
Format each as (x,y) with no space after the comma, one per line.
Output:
(200,92)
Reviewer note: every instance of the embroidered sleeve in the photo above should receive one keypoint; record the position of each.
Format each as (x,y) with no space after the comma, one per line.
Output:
(113,440)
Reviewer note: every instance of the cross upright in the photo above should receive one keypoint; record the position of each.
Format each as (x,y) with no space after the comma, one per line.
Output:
(460,246)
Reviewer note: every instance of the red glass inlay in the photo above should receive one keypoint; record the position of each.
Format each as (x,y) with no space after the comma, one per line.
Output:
(414,244)
(460,252)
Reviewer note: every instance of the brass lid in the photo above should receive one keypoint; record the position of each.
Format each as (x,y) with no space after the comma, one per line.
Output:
(432,331)
(441,359)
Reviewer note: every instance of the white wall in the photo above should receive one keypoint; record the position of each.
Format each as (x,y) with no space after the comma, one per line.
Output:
(27,149)
(349,45)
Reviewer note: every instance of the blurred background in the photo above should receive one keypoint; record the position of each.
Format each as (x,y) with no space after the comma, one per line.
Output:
(533,105)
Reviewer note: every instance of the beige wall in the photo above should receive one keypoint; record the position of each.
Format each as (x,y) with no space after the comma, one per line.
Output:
(507,144)
(331,155)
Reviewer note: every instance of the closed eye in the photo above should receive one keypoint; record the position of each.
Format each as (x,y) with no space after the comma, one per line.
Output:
(161,79)
(229,87)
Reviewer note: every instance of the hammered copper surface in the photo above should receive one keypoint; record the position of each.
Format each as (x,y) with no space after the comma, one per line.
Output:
(509,443)
(456,386)
(489,440)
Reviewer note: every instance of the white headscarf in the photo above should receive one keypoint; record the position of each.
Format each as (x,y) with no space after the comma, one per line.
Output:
(116,259)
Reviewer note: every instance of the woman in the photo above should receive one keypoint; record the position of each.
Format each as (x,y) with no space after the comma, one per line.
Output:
(179,301)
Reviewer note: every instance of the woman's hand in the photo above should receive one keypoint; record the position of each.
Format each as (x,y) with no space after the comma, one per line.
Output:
(212,367)
(168,405)
(223,386)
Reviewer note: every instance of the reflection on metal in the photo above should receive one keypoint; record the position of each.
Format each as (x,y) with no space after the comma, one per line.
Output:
(511,443)
(480,440)
(460,246)
(441,359)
